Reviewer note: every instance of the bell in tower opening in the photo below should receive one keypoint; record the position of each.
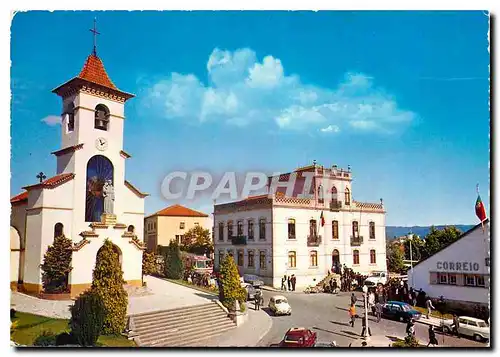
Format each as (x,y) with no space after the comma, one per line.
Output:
(101,117)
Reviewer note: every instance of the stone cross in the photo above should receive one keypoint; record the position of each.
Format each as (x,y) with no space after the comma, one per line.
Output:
(94,31)
(41,176)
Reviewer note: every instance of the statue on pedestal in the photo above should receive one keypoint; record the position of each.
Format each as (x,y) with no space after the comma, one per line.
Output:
(109,197)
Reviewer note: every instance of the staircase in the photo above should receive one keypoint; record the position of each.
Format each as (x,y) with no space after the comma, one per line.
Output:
(181,327)
(326,280)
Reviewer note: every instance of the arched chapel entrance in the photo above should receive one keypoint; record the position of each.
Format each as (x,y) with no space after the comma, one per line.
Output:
(335,261)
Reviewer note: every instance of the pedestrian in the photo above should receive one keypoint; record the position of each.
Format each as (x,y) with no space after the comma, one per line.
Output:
(257,299)
(353,299)
(294,281)
(334,286)
(410,328)
(371,300)
(289,283)
(378,311)
(432,337)
(455,326)
(283,283)
(429,306)
(352,314)
(364,323)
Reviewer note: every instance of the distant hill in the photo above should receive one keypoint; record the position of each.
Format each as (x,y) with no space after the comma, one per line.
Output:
(396,231)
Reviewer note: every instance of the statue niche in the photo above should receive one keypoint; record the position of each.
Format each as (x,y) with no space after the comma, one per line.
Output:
(99,191)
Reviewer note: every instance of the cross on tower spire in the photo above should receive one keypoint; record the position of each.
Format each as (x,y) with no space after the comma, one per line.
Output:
(41,176)
(94,31)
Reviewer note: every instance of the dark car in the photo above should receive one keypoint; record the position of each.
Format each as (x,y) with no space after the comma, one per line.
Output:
(401,311)
(253,279)
(299,337)
(250,291)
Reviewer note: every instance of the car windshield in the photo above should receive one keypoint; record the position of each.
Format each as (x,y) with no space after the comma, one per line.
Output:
(482,324)
(406,308)
(280,301)
(293,338)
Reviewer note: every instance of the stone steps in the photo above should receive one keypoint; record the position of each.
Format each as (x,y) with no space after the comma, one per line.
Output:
(184,327)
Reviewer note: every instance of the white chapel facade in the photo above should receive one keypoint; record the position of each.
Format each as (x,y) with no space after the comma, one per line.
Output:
(88,200)
(276,234)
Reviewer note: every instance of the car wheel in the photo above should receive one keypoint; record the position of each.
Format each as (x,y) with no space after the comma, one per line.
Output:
(446,329)
(401,318)
(478,338)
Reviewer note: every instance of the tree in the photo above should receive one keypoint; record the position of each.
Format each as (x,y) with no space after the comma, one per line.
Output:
(174,268)
(438,239)
(148,263)
(417,247)
(230,284)
(87,318)
(57,265)
(395,256)
(107,282)
(197,240)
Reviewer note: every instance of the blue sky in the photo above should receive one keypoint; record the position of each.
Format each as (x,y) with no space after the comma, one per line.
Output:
(401,97)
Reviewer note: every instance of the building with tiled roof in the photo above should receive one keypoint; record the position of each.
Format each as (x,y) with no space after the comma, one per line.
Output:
(171,223)
(87,199)
(308,224)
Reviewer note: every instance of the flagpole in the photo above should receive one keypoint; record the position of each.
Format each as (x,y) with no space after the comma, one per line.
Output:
(482,221)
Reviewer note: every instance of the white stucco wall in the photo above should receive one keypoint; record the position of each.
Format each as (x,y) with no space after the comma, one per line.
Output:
(472,248)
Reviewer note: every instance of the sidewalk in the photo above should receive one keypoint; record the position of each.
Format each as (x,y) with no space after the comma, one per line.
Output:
(430,321)
(270,288)
(247,335)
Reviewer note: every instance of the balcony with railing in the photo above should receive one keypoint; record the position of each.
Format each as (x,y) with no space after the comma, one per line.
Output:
(356,240)
(239,240)
(335,205)
(313,240)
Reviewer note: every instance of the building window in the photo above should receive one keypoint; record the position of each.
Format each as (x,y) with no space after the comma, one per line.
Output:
(334,195)
(355,231)
(58,230)
(291,228)
(229,230)
(101,117)
(314,258)
(240,258)
(373,257)
(452,279)
(262,229)
(178,239)
(131,229)
(239,228)
(262,260)
(292,259)
(347,197)
(250,259)
(372,230)
(221,257)
(355,257)
(71,116)
(182,225)
(320,195)
(470,280)
(221,231)
(250,229)
(312,228)
(442,278)
(335,229)
(480,280)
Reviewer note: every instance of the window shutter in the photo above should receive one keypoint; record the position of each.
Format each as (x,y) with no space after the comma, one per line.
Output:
(433,278)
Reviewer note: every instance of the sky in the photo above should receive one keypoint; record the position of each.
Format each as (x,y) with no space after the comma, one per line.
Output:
(401,97)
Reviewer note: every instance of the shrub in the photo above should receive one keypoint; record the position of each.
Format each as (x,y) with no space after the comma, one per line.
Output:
(409,342)
(57,265)
(107,282)
(148,263)
(173,263)
(12,313)
(230,288)
(65,338)
(45,339)
(87,318)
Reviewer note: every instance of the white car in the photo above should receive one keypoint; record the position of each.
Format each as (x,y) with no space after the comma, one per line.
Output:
(375,278)
(469,326)
(279,305)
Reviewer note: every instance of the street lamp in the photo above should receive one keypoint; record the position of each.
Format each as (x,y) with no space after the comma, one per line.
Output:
(410,238)
(365,293)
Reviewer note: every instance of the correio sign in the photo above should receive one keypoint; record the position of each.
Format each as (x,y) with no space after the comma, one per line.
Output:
(458,266)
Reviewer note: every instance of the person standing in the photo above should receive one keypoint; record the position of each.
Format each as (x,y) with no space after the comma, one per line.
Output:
(432,337)
(429,306)
(257,299)
(455,326)
(289,283)
(294,281)
(283,283)
(352,314)
(371,300)
(334,286)
(365,318)
(353,299)
(378,311)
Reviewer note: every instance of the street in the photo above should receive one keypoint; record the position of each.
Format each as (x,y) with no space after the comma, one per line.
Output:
(327,315)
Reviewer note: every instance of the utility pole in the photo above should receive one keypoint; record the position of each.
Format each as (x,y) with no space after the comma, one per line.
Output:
(410,238)
(365,293)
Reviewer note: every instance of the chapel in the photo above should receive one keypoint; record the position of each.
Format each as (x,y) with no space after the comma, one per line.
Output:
(88,199)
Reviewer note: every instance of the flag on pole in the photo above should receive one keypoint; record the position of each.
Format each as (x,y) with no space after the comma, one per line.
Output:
(322,219)
(480,211)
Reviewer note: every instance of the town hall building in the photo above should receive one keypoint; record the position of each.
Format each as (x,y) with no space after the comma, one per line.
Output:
(88,199)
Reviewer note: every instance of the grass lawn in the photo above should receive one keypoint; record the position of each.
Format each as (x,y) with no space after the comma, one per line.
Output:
(434,313)
(30,326)
(192,286)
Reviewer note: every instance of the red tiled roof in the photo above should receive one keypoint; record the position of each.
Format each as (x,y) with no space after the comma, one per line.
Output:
(23,196)
(368,205)
(135,190)
(53,181)
(67,150)
(250,198)
(180,211)
(93,71)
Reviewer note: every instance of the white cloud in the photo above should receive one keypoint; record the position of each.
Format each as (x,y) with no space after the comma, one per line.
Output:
(241,91)
(330,129)
(52,120)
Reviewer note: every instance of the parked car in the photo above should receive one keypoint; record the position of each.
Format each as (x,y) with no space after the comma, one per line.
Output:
(250,291)
(299,337)
(469,326)
(401,311)
(326,344)
(252,279)
(279,305)
(375,278)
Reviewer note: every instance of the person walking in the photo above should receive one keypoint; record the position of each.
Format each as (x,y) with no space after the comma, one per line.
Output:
(352,314)
(429,306)
(432,337)
(294,281)
(283,283)
(353,299)
(289,283)
(257,299)
(371,301)
(455,326)
(378,311)
(364,323)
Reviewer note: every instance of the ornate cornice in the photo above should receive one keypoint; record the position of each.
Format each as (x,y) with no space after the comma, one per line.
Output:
(77,246)
(89,234)
(135,241)
(67,150)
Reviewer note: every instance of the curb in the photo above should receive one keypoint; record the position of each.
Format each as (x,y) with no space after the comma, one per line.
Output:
(264,333)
